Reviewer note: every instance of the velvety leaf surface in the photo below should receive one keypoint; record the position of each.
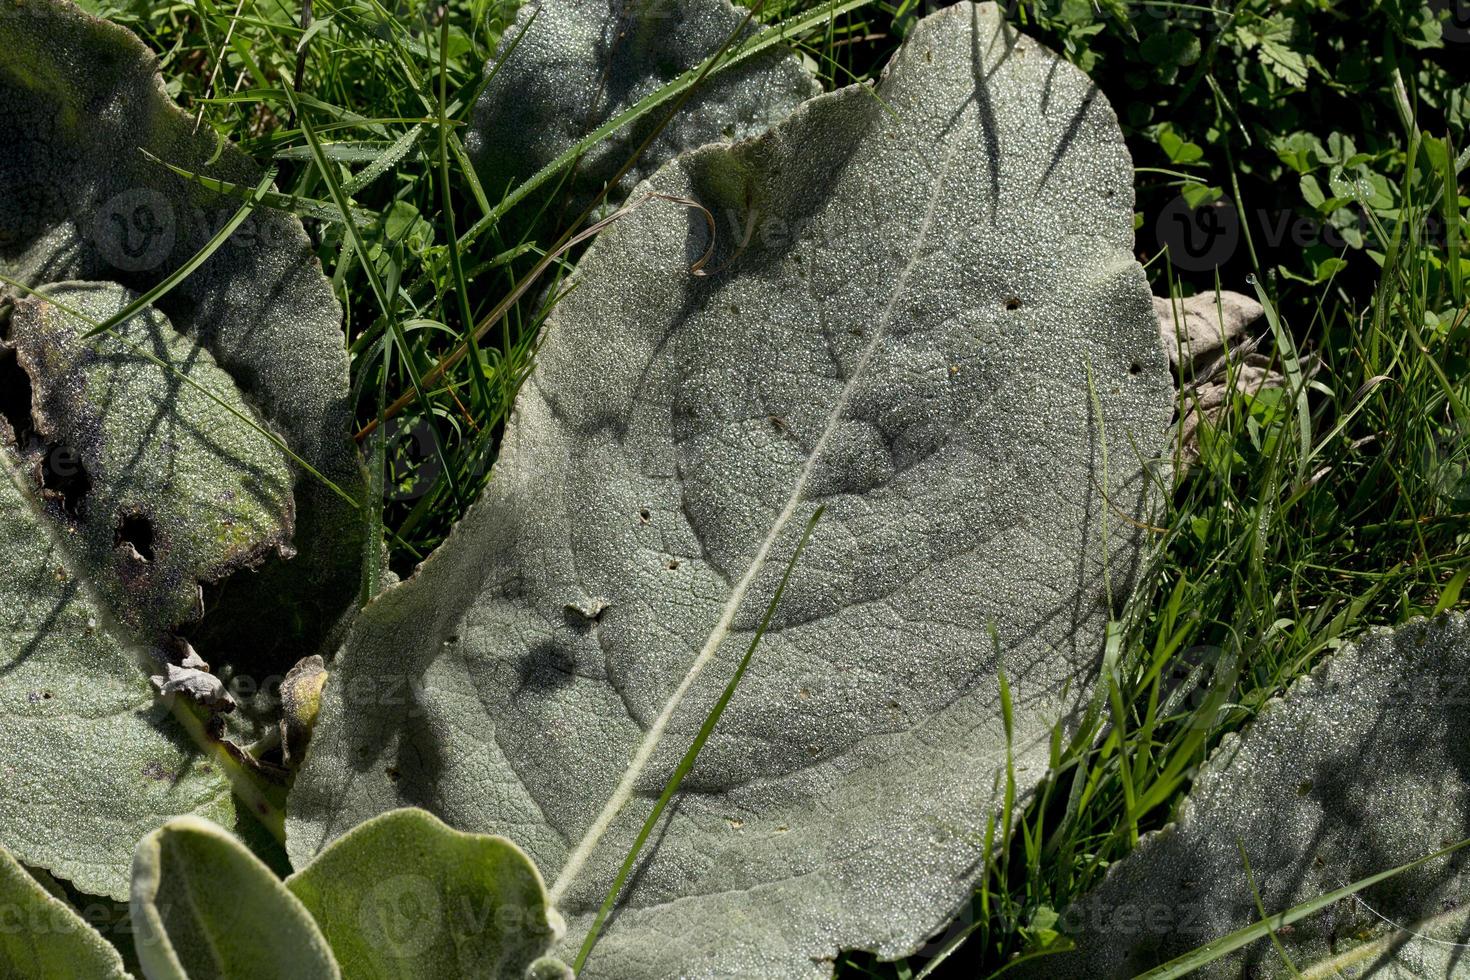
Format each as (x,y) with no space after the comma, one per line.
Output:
(937,295)
(404,896)
(580,63)
(204,906)
(43,938)
(90,760)
(174,487)
(80,102)
(1361,767)
(123,485)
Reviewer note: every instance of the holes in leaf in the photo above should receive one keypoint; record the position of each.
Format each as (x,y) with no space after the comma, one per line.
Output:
(135,535)
(1013,303)
(1135,368)
(15,397)
(64,478)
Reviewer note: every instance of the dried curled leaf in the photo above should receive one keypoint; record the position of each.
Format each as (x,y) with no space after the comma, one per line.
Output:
(579,63)
(1198,330)
(1361,767)
(937,330)
(301,703)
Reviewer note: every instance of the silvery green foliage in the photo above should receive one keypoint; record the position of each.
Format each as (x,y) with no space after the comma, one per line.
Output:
(400,897)
(97,435)
(936,297)
(1361,767)
(203,906)
(579,63)
(403,897)
(180,491)
(80,103)
(84,604)
(44,937)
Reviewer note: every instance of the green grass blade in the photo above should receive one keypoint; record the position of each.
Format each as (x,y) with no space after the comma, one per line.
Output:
(385,303)
(1296,384)
(686,764)
(1183,965)
(302,207)
(451,239)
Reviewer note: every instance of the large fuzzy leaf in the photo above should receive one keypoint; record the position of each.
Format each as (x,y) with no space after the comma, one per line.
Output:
(936,299)
(204,906)
(1361,767)
(579,63)
(404,896)
(81,107)
(136,467)
(89,761)
(43,938)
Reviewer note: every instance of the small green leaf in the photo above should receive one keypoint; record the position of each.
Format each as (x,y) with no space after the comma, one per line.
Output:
(43,938)
(1312,191)
(403,895)
(1177,149)
(1299,151)
(1271,39)
(204,906)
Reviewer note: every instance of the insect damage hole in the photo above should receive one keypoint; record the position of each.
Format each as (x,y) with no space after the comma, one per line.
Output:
(15,397)
(1013,303)
(65,477)
(61,473)
(134,535)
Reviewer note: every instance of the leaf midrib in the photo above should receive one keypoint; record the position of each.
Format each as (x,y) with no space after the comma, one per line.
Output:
(653,737)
